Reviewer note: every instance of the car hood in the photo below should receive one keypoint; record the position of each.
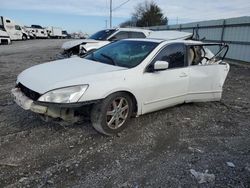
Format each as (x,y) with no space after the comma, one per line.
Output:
(62,73)
(73,43)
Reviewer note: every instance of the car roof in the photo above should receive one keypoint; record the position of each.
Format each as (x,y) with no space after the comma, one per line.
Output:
(131,29)
(188,42)
(145,39)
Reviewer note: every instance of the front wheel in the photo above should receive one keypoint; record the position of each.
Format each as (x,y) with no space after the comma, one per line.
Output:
(24,37)
(112,114)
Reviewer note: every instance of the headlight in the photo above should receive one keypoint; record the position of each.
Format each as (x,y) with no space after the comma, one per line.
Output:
(64,95)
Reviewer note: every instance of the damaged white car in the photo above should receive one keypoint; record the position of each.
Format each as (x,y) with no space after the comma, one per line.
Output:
(126,78)
(99,39)
(104,37)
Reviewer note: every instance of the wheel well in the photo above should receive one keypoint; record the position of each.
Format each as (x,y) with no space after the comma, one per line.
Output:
(135,105)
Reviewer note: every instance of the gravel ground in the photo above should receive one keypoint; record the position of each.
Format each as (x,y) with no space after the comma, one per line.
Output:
(156,150)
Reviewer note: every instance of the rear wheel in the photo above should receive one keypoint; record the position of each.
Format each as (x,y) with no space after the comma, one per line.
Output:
(112,114)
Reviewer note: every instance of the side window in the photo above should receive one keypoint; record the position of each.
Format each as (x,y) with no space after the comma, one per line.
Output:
(174,54)
(121,35)
(7,21)
(17,27)
(136,35)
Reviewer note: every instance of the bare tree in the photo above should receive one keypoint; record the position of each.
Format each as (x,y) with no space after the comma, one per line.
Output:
(147,14)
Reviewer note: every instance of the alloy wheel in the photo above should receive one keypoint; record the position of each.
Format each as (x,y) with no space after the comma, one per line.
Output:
(117,113)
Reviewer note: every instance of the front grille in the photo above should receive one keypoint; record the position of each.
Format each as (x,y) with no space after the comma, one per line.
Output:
(28,92)
(4,41)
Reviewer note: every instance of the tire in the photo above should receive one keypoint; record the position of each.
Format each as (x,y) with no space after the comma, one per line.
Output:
(117,106)
(24,37)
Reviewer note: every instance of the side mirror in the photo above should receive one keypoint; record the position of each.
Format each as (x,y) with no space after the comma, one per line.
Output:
(160,65)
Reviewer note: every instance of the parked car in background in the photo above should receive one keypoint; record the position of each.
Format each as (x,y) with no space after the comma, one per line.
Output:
(37,31)
(125,78)
(79,35)
(14,30)
(54,32)
(99,39)
(65,35)
(29,33)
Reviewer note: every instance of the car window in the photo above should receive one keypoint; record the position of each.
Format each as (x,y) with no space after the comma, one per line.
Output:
(174,54)
(37,26)
(121,35)
(136,35)
(17,27)
(102,35)
(123,53)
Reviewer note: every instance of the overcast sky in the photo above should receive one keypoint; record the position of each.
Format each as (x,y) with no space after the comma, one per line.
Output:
(90,15)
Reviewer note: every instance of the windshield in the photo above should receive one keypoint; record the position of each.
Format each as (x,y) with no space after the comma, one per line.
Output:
(124,53)
(102,35)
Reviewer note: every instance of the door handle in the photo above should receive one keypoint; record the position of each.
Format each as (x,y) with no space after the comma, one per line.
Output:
(183,74)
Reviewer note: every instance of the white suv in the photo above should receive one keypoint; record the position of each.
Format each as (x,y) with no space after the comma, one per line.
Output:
(125,78)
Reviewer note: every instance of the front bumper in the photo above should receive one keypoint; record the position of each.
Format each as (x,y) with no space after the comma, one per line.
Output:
(26,103)
(65,112)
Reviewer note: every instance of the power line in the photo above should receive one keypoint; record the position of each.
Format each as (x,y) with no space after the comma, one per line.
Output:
(110,14)
(120,5)
(111,10)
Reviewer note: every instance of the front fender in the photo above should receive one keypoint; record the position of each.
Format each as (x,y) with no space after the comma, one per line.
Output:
(127,90)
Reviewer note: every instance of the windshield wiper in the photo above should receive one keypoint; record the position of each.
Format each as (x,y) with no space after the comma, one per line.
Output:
(110,58)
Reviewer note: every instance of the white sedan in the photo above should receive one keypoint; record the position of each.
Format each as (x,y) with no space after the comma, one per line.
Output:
(126,78)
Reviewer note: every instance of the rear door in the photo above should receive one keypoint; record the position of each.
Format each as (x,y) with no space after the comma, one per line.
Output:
(206,82)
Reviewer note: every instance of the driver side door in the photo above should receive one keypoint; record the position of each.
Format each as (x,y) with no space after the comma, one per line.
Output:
(166,87)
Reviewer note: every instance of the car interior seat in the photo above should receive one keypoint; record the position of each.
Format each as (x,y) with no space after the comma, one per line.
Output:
(190,56)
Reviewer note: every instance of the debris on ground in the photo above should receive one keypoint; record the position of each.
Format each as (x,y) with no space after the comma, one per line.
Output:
(203,177)
(247,167)
(23,179)
(195,150)
(230,164)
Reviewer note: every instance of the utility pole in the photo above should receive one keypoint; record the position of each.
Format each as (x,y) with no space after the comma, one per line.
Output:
(106,24)
(110,14)
(111,10)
